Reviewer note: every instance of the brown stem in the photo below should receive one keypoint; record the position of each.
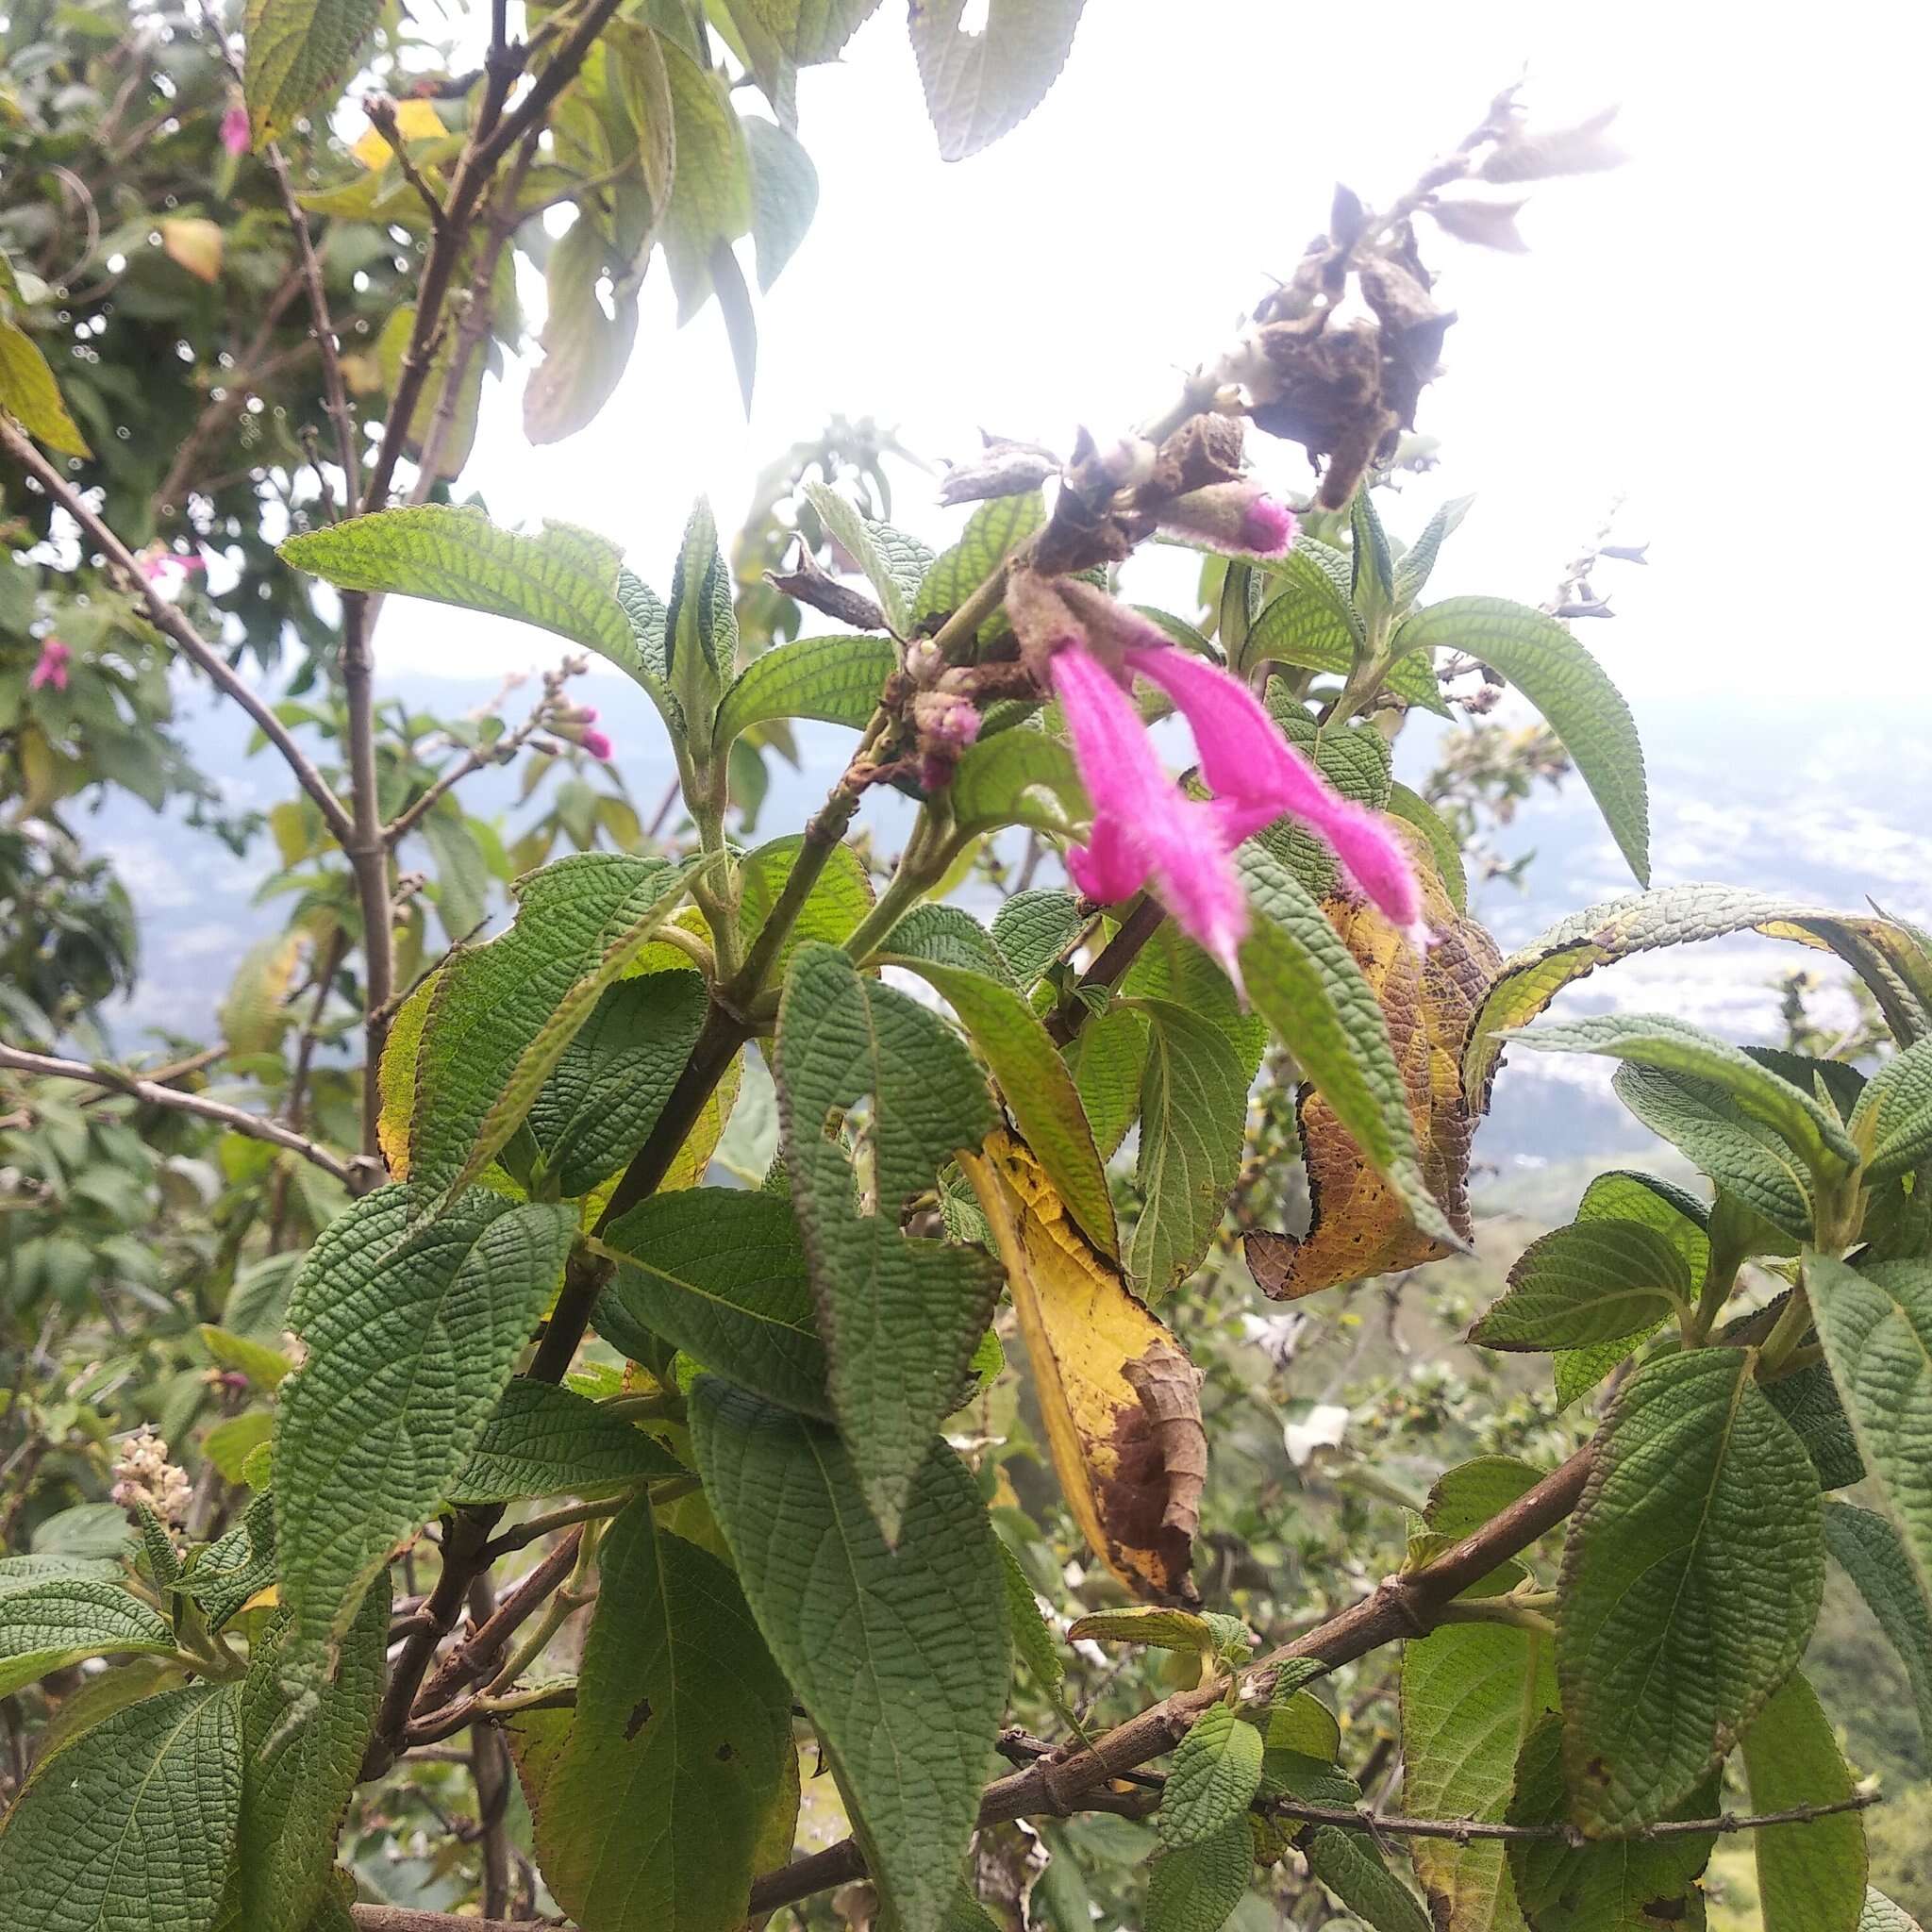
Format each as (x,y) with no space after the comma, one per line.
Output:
(382,115)
(1401,1607)
(1119,952)
(367,855)
(167,618)
(234,1118)
(490,1771)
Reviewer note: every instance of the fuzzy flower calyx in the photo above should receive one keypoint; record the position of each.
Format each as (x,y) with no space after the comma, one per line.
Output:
(50,667)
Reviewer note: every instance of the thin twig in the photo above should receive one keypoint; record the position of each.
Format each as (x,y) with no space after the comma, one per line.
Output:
(234,1118)
(169,620)
(382,112)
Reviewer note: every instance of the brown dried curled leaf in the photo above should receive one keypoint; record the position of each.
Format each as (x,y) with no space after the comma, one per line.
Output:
(1358,1227)
(814,586)
(1119,1398)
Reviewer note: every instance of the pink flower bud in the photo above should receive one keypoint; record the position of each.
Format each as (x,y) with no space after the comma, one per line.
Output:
(52,667)
(945,718)
(598,745)
(1237,518)
(235,129)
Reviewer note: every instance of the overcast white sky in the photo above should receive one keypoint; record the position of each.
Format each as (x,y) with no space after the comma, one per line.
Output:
(1725,331)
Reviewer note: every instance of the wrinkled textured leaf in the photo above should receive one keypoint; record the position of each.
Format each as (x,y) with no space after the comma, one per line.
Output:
(64,1620)
(1877,1327)
(1893,1117)
(1194,1887)
(899,1652)
(1868,1550)
(1019,777)
(1033,928)
(544,1441)
(1592,1282)
(651,1811)
(134,1832)
(979,85)
(1217,1771)
(900,1315)
(840,898)
(298,52)
(1810,1878)
(950,937)
(411,1339)
(1118,1397)
(889,560)
(992,532)
(1348,1865)
(1692,1576)
(834,678)
(723,1275)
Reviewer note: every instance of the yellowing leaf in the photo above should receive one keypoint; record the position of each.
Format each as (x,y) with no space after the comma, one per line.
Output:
(415,121)
(396,1079)
(195,245)
(1358,1227)
(29,390)
(1120,1399)
(251,1016)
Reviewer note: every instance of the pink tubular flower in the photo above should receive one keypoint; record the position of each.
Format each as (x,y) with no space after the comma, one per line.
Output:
(235,128)
(52,667)
(1145,829)
(1238,518)
(598,744)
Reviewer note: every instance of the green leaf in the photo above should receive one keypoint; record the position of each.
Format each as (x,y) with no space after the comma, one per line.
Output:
(900,1316)
(1348,1865)
(899,1652)
(564,580)
(1469,1695)
(88,1529)
(1469,1494)
(1418,561)
(411,1339)
(136,1832)
(504,1013)
(700,625)
(1194,1887)
(1671,1046)
(951,937)
(1632,1885)
(64,1621)
(544,1441)
(29,392)
(839,897)
(806,31)
(299,52)
(784,197)
(263,1366)
(1892,1121)
(1870,1551)
(1416,811)
(1033,928)
(586,348)
(1036,1087)
(1881,1915)
(1154,1624)
(1217,1771)
(299,1768)
(1372,569)
(980,84)
(1311,625)
(891,561)
(711,189)
(994,530)
(26,1572)
(1193,1125)
(1592,1282)
(1691,1580)
(1810,1878)
(1877,1327)
(1892,959)
(1746,1159)
(722,1274)
(1305,983)
(1018,777)
(1565,683)
(1032,1640)
(611,1081)
(651,1816)
(462,875)
(391,347)
(836,679)
(238,1565)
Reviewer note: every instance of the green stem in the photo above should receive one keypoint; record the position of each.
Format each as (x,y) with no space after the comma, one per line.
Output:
(1788,1332)
(922,864)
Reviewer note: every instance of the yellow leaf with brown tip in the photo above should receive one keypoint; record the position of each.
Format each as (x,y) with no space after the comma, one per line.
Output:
(195,243)
(1358,1226)
(1120,1397)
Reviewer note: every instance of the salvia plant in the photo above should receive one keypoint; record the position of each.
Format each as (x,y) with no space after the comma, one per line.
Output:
(674,1501)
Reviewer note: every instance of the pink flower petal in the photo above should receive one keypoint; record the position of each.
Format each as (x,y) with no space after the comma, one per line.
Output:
(235,130)
(1238,518)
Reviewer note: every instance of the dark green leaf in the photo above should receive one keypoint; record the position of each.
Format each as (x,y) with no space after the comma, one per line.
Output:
(1033,928)
(992,532)
(1868,1550)
(544,1441)
(1196,1886)
(1810,1878)
(834,678)
(65,1620)
(1217,1771)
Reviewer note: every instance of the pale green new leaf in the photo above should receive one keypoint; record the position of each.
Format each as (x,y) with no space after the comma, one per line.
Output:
(992,532)
(1470,1693)
(1305,983)
(899,1652)
(411,1338)
(1691,1580)
(298,52)
(836,679)
(891,561)
(1036,1087)
(135,1830)
(700,624)
(980,84)
(900,1315)
(1893,1117)
(651,1815)
(1870,1551)
(543,1440)
(65,1620)
(1881,1915)
(1671,1046)
(1594,1281)
(1019,777)
(1565,683)
(1810,1879)
(722,1274)
(298,1771)
(1877,1327)
(784,197)
(1193,1125)
(563,580)
(1217,1771)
